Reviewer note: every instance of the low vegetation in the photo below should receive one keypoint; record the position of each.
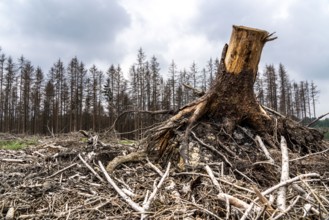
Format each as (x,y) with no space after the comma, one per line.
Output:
(16,144)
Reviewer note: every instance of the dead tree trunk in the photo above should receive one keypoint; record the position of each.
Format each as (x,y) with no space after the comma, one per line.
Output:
(229,102)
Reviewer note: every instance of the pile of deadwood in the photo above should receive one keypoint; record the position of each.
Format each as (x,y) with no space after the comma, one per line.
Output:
(66,178)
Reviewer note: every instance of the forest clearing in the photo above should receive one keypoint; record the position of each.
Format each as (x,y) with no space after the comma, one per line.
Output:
(221,156)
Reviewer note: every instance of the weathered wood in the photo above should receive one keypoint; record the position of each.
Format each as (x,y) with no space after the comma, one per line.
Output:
(232,96)
(245,49)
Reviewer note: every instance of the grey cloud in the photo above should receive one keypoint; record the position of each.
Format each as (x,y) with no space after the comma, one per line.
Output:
(75,20)
(302,45)
(217,17)
(65,28)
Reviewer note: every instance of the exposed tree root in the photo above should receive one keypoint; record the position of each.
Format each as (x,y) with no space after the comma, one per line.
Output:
(132,157)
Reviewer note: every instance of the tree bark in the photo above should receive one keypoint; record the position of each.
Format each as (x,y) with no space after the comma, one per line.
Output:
(229,102)
(232,98)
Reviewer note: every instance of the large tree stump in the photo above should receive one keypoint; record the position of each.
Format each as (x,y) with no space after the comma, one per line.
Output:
(229,102)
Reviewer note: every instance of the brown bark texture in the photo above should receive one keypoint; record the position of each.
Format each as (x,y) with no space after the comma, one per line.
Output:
(230,102)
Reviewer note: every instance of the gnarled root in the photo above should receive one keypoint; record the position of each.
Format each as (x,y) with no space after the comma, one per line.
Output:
(163,141)
(132,157)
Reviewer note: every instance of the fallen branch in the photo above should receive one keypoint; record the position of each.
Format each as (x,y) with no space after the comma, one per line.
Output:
(273,188)
(206,211)
(263,199)
(315,196)
(234,201)
(10,214)
(287,209)
(196,92)
(316,120)
(266,152)
(213,179)
(146,205)
(309,155)
(289,181)
(62,170)
(11,160)
(281,200)
(132,157)
(273,111)
(91,169)
(156,169)
(158,112)
(148,199)
(123,195)
(93,139)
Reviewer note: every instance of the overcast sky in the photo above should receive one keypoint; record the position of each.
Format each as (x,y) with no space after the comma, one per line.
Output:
(105,32)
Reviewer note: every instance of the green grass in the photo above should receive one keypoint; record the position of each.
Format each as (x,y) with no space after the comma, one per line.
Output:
(16,144)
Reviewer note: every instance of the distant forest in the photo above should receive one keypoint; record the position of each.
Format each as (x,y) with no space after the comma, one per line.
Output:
(73,97)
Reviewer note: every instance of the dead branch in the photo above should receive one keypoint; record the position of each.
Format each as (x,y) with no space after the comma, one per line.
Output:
(10,160)
(62,170)
(263,199)
(315,196)
(289,181)
(273,111)
(158,112)
(248,210)
(146,205)
(196,92)
(316,120)
(266,152)
(284,212)
(309,155)
(132,157)
(270,37)
(213,178)
(281,200)
(10,214)
(91,169)
(273,188)
(123,195)
(234,201)
(155,168)
(206,211)
(93,139)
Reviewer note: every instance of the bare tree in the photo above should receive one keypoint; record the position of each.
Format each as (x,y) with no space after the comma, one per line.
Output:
(27,75)
(9,93)
(314,93)
(172,82)
(283,87)
(2,66)
(36,101)
(270,78)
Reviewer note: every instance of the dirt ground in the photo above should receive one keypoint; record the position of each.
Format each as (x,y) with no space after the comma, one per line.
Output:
(49,180)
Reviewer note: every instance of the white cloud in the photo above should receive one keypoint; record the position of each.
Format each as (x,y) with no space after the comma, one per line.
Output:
(161,28)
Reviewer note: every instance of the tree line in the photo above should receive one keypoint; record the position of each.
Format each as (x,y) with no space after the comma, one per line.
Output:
(275,90)
(73,97)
